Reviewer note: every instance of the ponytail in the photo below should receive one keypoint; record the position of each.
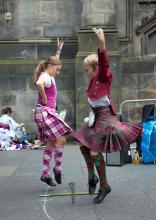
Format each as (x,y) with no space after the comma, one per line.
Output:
(40,68)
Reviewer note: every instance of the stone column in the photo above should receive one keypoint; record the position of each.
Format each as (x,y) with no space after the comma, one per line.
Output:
(87,44)
(98,12)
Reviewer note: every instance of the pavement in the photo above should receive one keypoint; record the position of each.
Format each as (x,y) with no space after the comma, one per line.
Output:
(133,195)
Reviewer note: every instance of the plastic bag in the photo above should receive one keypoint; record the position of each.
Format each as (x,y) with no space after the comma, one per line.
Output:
(148,143)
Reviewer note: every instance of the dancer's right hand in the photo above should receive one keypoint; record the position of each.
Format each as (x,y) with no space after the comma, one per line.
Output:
(44,100)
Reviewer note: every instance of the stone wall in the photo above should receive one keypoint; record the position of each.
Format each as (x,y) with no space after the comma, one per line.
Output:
(39,19)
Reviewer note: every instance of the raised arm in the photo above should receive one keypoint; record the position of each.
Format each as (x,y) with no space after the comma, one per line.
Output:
(101,38)
(60,44)
(104,70)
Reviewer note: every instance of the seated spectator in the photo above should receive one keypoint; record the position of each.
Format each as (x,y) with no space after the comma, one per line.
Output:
(15,128)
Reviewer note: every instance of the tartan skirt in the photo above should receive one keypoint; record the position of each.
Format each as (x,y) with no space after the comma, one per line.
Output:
(50,125)
(108,134)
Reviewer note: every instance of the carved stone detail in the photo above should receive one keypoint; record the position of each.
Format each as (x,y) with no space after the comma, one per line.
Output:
(146,22)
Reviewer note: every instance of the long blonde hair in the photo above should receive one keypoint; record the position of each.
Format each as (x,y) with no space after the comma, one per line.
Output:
(42,66)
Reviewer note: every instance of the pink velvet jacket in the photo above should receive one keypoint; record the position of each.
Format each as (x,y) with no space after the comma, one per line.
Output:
(101,84)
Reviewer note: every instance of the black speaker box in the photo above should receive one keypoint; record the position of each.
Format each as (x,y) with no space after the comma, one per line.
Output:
(148,112)
(119,158)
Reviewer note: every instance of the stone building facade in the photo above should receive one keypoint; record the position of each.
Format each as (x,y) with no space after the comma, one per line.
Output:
(28,34)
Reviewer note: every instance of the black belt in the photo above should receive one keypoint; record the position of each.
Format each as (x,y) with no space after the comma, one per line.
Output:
(101,108)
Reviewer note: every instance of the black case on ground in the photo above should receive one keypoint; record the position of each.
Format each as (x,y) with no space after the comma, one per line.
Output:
(119,158)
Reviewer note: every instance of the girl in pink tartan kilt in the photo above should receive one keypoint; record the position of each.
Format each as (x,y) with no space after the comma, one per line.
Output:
(52,129)
(107,133)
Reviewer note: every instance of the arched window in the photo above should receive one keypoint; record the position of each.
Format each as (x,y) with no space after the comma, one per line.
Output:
(151,42)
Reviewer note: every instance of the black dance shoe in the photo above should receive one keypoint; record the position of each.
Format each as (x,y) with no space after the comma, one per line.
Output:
(92,184)
(57,176)
(47,180)
(102,194)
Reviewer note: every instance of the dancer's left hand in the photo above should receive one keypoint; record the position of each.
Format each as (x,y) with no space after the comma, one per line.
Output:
(99,33)
(101,37)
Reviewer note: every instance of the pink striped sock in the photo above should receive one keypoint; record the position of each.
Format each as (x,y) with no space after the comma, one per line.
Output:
(47,156)
(58,153)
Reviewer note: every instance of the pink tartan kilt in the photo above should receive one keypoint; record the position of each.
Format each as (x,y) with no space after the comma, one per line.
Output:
(50,125)
(108,134)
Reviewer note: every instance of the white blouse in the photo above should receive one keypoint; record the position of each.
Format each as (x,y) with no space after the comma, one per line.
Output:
(103,101)
(47,79)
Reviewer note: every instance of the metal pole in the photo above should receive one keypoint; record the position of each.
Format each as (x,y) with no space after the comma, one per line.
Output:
(72,188)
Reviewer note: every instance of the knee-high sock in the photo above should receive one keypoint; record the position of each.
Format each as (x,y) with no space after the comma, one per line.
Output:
(101,169)
(58,153)
(47,156)
(88,159)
